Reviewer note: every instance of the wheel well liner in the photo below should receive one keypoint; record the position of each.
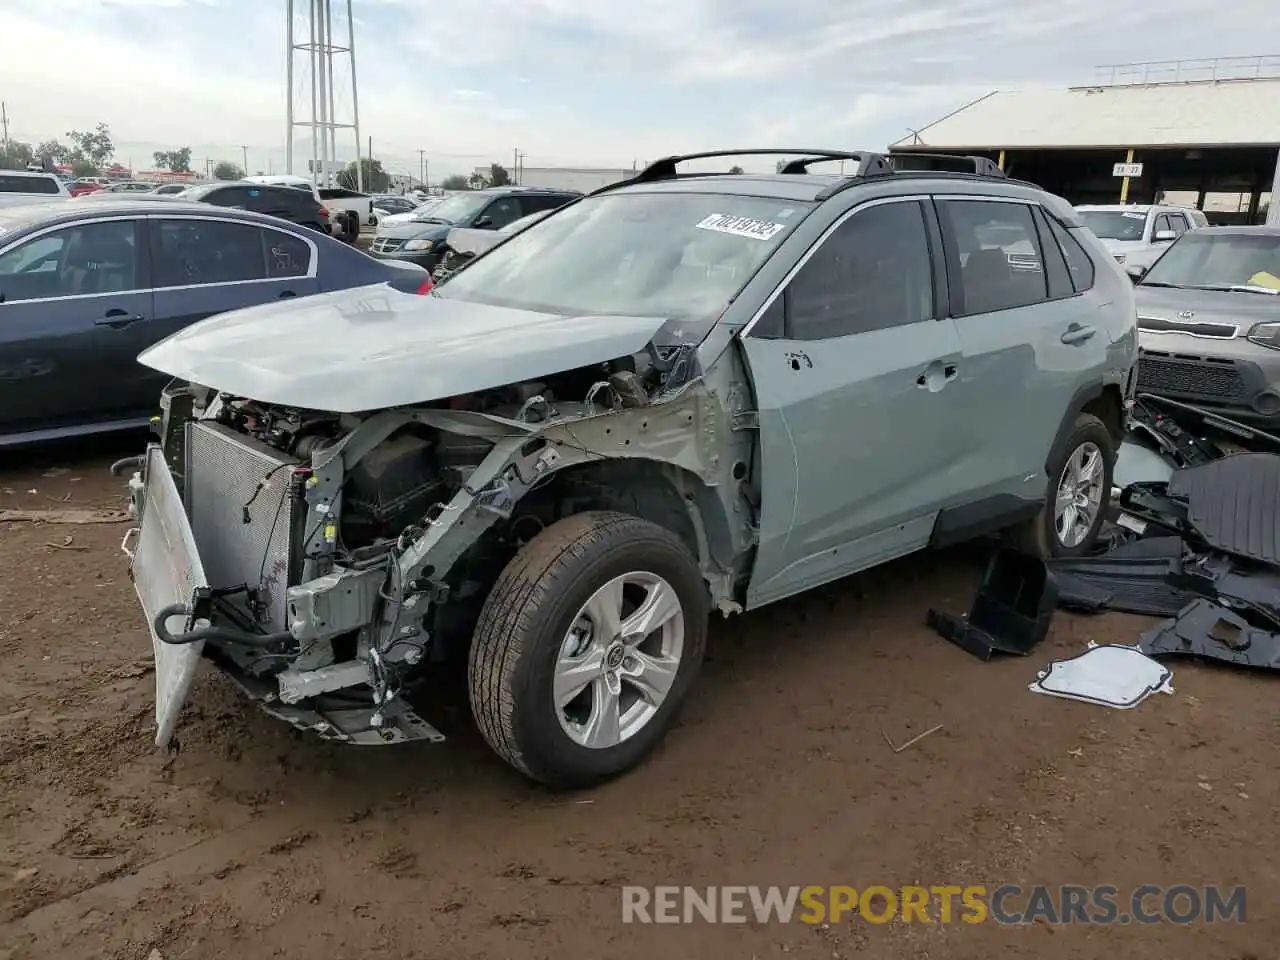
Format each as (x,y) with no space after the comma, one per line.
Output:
(1103,401)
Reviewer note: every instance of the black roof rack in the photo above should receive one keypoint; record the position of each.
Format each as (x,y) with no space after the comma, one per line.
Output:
(665,169)
(944,163)
(870,164)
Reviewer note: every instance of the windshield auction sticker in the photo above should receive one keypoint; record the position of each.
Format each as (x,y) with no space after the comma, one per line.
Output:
(742,226)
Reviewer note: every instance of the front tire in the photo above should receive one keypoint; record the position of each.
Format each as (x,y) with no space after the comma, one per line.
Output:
(1078,495)
(586,646)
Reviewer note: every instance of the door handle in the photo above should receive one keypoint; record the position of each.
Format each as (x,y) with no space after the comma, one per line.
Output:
(1078,334)
(286,294)
(117,319)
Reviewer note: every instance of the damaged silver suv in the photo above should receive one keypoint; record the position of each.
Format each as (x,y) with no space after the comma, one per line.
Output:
(681,394)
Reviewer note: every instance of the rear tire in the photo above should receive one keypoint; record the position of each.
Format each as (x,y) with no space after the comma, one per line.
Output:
(545,632)
(1078,495)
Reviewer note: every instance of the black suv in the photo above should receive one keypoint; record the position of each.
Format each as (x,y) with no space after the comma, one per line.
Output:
(422,240)
(287,203)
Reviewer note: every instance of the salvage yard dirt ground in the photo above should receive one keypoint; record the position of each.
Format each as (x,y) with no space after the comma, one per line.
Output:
(253,841)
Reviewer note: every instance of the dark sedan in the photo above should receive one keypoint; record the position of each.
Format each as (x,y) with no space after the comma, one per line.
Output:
(84,288)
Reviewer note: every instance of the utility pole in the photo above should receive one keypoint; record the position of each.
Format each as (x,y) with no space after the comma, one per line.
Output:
(520,168)
(422,167)
(4,124)
(244,152)
(515,165)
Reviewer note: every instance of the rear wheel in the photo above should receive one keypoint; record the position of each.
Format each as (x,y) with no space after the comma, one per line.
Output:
(1078,495)
(586,646)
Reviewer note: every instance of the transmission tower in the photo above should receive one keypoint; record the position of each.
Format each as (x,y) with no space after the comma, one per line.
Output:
(316,80)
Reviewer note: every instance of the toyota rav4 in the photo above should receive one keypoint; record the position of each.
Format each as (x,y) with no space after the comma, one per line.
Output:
(684,393)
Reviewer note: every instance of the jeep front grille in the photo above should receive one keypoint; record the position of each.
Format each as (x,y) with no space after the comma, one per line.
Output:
(386,245)
(223,472)
(1194,378)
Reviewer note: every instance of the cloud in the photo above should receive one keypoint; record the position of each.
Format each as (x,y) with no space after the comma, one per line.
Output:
(577,82)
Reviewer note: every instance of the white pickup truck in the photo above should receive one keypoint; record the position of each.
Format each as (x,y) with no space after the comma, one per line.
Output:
(23,187)
(349,208)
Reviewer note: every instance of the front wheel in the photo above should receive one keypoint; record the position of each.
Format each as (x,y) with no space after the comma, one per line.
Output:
(1078,495)
(586,646)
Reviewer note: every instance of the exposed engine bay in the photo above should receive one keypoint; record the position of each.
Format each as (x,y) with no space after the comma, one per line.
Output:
(395,485)
(346,552)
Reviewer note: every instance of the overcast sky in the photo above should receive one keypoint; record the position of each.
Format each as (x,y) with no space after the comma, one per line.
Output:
(574,82)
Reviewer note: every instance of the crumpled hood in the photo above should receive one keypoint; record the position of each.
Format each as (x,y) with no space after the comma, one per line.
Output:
(373,347)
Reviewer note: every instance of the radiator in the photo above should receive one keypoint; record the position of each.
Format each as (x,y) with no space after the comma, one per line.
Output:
(223,470)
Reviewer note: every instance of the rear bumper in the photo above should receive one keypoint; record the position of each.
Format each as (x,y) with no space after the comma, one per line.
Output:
(170,572)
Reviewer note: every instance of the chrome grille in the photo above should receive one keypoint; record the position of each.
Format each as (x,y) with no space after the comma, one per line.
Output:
(1224,331)
(223,473)
(386,244)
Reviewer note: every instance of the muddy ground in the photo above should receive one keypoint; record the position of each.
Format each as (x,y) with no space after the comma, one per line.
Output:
(253,841)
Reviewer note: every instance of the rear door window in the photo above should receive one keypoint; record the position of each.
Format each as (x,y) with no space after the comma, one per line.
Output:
(993,250)
(228,197)
(196,252)
(287,255)
(37,185)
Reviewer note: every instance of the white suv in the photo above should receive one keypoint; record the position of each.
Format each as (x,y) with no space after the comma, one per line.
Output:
(1137,233)
(22,187)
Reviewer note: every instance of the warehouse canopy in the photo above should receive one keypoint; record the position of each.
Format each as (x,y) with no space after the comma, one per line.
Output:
(1197,114)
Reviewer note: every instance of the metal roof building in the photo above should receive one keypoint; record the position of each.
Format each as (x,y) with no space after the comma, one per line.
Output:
(1201,132)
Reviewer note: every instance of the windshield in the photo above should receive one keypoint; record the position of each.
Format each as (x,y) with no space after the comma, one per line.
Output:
(1200,259)
(457,208)
(679,256)
(1114,224)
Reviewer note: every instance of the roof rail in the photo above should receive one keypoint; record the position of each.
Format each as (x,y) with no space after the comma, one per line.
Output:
(665,169)
(945,163)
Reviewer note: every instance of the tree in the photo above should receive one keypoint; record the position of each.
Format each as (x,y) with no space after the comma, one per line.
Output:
(84,168)
(455,182)
(477,181)
(176,161)
(15,155)
(736,169)
(498,176)
(375,179)
(54,150)
(226,170)
(94,146)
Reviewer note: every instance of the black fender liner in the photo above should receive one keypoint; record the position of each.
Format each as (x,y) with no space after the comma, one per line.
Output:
(1082,397)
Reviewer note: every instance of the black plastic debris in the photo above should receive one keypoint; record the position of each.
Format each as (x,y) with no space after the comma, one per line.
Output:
(1233,504)
(1188,436)
(1010,614)
(1135,577)
(1205,629)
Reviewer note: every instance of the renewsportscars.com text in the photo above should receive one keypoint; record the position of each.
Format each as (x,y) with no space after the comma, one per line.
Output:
(1008,904)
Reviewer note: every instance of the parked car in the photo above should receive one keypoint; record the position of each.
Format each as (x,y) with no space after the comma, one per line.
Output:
(84,288)
(421,240)
(1209,315)
(676,395)
(389,204)
(128,186)
(464,244)
(1138,233)
(86,185)
(287,203)
(349,209)
(24,187)
(419,214)
(171,189)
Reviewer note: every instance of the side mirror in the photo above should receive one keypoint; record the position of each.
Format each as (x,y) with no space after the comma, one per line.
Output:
(1164,236)
(484,223)
(1136,272)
